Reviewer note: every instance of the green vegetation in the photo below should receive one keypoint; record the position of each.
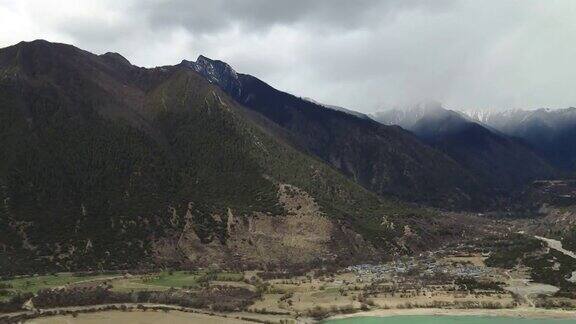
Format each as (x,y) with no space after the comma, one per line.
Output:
(187,288)
(146,282)
(553,268)
(176,279)
(472,284)
(217,298)
(91,178)
(569,240)
(338,196)
(94,191)
(509,252)
(185,279)
(32,284)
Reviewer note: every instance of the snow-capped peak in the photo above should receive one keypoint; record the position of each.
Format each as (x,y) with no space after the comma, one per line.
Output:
(217,72)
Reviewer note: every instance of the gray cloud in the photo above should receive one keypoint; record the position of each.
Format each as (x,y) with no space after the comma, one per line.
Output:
(362,54)
(259,15)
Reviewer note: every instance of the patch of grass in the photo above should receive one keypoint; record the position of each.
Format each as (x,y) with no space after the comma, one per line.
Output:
(177,279)
(174,279)
(136,285)
(229,276)
(34,283)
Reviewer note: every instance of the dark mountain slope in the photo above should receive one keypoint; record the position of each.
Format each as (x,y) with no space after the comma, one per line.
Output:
(104,165)
(386,160)
(550,131)
(503,163)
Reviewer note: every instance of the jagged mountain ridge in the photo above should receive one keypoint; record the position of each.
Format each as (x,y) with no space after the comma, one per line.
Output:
(384,159)
(107,165)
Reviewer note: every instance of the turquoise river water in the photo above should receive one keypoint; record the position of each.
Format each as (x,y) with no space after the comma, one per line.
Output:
(422,319)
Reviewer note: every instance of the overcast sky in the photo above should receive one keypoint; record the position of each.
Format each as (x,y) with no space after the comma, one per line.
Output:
(362,54)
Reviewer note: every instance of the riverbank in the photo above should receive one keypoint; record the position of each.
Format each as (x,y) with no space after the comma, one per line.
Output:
(93,313)
(137,317)
(175,315)
(514,312)
(452,281)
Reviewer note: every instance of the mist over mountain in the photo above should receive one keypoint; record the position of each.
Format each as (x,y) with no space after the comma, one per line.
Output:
(550,131)
(502,162)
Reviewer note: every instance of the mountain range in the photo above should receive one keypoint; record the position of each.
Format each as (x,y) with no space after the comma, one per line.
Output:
(548,133)
(107,165)
(386,160)
(502,162)
(551,132)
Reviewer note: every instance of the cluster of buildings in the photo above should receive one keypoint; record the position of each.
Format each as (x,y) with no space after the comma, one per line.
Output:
(418,266)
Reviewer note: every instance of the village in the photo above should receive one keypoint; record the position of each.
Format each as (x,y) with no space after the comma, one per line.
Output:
(424,265)
(451,278)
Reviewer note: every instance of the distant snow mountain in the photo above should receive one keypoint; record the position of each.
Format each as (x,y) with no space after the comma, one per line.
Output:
(413,117)
(504,121)
(517,121)
(549,132)
(552,132)
(504,162)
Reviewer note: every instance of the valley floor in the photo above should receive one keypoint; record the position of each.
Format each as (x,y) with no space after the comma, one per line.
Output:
(427,284)
(513,270)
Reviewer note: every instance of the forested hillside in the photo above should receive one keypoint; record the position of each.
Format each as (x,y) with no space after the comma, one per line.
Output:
(104,165)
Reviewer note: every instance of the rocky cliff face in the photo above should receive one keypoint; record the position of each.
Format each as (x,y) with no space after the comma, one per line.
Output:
(218,73)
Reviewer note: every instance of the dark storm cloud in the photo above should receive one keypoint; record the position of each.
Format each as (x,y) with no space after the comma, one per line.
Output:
(256,15)
(362,54)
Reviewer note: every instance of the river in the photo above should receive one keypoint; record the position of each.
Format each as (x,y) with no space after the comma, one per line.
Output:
(423,319)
